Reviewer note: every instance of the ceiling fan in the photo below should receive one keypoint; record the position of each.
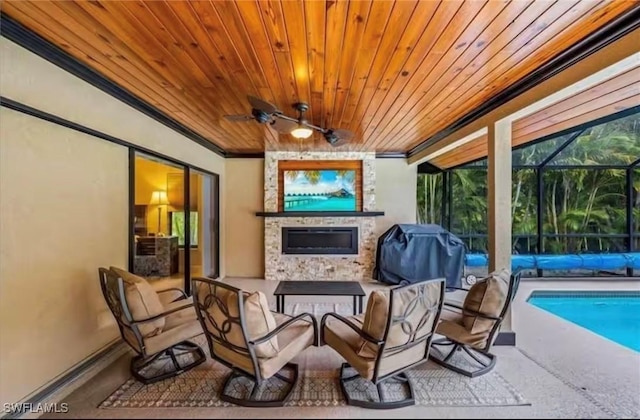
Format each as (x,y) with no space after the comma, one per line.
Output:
(264,112)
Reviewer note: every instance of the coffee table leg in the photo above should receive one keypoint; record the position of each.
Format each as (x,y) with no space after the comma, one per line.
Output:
(282,304)
(355,306)
(361,303)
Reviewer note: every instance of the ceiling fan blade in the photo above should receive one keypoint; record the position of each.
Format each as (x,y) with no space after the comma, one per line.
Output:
(344,135)
(261,105)
(239,117)
(283,126)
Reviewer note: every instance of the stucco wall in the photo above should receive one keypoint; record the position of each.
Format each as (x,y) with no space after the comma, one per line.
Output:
(63,213)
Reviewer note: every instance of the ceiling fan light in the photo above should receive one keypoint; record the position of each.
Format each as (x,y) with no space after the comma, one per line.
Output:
(301,132)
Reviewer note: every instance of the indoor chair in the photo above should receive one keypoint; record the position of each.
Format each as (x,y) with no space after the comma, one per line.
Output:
(254,342)
(381,348)
(471,328)
(157,332)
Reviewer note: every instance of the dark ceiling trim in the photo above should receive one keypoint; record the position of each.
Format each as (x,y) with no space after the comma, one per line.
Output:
(14,31)
(236,155)
(612,31)
(391,155)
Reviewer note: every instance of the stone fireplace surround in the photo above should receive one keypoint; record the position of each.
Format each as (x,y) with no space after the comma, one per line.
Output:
(279,266)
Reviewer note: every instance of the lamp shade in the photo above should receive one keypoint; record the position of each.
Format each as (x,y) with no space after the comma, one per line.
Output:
(159,198)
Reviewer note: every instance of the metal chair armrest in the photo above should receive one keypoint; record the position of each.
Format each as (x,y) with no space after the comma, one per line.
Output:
(458,288)
(174,289)
(453,305)
(161,315)
(286,324)
(349,324)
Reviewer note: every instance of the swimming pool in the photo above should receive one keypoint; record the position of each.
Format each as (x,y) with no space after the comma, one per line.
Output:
(614,315)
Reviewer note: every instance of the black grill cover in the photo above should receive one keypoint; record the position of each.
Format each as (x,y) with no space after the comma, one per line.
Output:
(408,253)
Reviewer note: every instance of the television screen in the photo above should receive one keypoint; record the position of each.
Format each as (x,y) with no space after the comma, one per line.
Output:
(320,190)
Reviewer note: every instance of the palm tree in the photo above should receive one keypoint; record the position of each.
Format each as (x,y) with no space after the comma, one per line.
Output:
(348,175)
(312,176)
(292,175)
(429,189)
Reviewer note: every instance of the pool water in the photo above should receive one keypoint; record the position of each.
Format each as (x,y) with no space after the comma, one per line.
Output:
(614,315)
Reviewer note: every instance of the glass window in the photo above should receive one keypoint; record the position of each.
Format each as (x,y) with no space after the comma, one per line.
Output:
(178,228)
(615,142)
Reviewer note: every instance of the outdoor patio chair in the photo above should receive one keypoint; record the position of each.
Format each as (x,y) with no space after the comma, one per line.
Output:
(470,328)
(256,343)
(381,348)
(159,333)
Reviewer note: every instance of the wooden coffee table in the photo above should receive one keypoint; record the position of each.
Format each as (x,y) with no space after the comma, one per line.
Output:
(319,288)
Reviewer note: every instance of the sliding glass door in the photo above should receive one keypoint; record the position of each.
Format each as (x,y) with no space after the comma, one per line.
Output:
(174,229)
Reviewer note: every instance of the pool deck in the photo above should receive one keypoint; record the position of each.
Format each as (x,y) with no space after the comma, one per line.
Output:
(603,371)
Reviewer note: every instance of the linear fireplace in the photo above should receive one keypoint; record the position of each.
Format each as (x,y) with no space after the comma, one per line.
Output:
(319,240)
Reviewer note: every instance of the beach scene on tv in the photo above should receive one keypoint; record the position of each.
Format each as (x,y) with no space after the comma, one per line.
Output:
(321,190)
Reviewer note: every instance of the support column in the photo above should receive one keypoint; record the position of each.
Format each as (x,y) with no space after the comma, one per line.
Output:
(499,184)
(499,190)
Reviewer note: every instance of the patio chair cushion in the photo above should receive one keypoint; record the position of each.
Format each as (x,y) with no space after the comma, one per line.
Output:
(293,340)
(143,302)
(258,319)
(488,297)
(451,326)
(170,336)
(374,323)
(181,316)
(260,322)
(346,342)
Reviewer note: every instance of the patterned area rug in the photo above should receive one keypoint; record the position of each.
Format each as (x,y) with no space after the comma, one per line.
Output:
(317,385)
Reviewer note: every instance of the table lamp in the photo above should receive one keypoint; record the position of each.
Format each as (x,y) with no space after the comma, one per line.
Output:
(159,198)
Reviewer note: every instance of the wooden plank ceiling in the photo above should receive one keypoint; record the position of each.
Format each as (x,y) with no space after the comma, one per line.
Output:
(393,72)
(618,93)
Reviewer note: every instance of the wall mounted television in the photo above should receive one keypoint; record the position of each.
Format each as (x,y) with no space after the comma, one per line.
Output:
(320,190)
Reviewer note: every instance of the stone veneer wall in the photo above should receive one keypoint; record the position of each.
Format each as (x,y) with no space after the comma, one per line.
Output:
(279,266)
